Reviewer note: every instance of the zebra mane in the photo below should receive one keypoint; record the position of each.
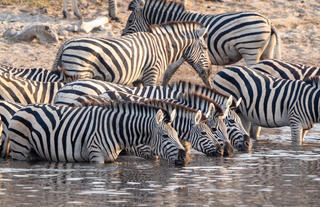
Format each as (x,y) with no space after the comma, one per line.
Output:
(197,88)
(218,108)
(156,28)
(314,80)
(174,105)
(90,100)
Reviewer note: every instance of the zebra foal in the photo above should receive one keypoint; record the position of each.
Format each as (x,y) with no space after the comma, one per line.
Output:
(137,58)
(231,36)
(95,133)
(271,102)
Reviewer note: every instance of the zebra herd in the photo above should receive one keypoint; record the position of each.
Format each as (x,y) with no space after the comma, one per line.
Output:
(101,96)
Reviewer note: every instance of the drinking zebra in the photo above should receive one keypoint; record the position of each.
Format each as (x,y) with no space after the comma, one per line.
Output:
(231,36)
(95,133)
(25,91)
(71,91)
(7,109)
(112,9)
(286,70)
(35,74)
(271,102)
(238,136)
(138,58)
(189,123)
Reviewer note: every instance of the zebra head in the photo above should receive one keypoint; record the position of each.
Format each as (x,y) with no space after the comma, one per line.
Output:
(237,134)
(197,55)
(202,139)
(164,141)
(136,21)
(218,128)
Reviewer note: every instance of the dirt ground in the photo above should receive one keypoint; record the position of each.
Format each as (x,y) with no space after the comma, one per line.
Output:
(297,22)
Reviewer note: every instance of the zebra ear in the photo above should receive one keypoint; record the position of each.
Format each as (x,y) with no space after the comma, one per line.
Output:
(197,117)
(159,116)
(173,115)
(203,31)
(238,102)
(227,107)
(211,111)
(136,4)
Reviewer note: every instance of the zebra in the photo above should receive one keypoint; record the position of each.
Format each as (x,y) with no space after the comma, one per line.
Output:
(189,123)
(112,9)
(286,70)
(35,74)
(236,132)
(231,36)
(94,133)
(25,91)
(71,91)
(138,58)
(271,102)
(281,69)
(7,110)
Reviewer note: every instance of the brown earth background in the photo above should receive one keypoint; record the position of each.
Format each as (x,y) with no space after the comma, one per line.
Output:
(297,22)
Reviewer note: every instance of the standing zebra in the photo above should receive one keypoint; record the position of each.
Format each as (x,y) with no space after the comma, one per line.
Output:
(137,58)
(231,36)
(25,91)
(189,123)
(112,9)
(271,102)
(35,74)
(7,109)
(95,133)
(285,70)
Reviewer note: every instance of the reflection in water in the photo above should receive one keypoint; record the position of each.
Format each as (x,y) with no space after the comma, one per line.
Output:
(275,173)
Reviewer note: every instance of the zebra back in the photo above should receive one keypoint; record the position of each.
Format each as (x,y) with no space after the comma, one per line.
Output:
(35,74)
(26,91)
(286,70)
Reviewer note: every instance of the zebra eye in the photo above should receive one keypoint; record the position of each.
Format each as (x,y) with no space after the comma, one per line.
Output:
(165,136)
(232,121)
(204,133)
(214,129)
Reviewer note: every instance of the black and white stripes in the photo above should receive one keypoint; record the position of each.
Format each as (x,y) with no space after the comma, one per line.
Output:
(271,102)
(231,36)
(95,133)
(138,58)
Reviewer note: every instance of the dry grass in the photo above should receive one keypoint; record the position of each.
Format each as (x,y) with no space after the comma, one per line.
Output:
(32,3)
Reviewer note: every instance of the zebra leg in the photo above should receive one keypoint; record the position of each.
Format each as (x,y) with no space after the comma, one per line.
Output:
(171,70)
(113,10)
(64,10)
(255,131)
(297,133)
(76,9)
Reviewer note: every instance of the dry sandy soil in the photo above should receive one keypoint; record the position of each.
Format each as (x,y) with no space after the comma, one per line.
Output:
(297,22)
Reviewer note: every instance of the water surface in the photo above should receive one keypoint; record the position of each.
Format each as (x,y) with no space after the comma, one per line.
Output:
(274,173)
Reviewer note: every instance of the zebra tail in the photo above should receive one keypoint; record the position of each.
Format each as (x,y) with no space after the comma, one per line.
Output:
(57,61)
(273,49)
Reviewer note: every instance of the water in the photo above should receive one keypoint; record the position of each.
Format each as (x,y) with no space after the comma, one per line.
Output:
(274,173)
